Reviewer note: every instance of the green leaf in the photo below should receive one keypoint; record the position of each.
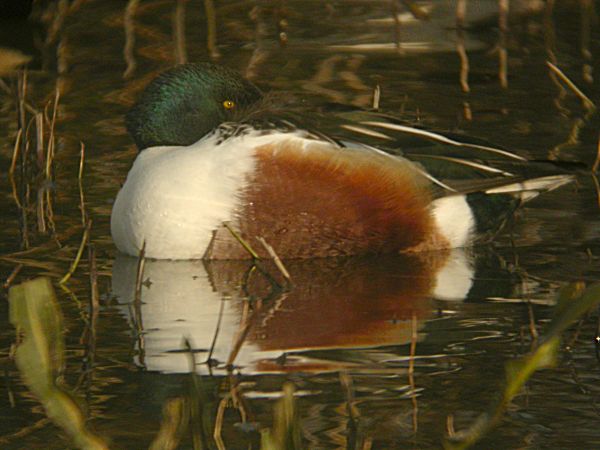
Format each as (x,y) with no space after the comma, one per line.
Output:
(36,315)
(573,301)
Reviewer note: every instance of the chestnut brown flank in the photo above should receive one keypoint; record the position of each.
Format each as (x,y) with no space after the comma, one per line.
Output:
(325,201)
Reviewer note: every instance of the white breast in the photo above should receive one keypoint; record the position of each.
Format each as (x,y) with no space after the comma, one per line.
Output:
(175,197)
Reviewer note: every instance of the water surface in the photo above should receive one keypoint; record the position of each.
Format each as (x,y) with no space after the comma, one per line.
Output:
(345,331)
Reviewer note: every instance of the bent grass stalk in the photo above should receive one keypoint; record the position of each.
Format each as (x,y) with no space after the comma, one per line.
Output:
(587,103)
(75,263)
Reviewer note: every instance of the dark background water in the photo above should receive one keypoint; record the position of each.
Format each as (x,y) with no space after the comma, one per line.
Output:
(344,321)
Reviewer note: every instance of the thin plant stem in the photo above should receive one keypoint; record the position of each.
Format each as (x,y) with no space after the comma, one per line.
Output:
(75,263)
(587,103)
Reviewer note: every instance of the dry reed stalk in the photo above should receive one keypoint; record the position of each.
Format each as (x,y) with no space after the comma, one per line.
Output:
(587,13)
(95,295)
(179,32)
(21,95)
(12,276)
(461,13)
(15,155)
(42,247)
(276,260)
(42,423)
(464,61)
(40,209)
(39,139)
(502,52)
(80,183)
(94,309)
(411,370)
(197,400)
(348,385)
(450,431)
(219,423)
(216,335)
(597,161)
(376,98)
(242,242)
(397,26)
(128,50)
(587,103)
(467,111)
(245,325)
(51,144)
(238,400)
(50,215)
(597,188)
(75,263)
(81,160)
(140,275)
(211,33)
(137,304)
(417,11)
(532,328)
(62,9)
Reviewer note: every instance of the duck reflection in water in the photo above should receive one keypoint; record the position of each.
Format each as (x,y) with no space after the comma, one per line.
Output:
(348,303)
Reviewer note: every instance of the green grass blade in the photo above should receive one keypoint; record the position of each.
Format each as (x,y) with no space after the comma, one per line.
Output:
(573,302)
(35,313)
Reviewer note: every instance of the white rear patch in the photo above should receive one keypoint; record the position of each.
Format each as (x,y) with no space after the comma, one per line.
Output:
(454,219)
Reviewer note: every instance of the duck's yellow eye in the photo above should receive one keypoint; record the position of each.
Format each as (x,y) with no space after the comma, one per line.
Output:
(228,104)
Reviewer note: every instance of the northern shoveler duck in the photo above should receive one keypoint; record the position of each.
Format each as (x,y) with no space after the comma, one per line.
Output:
(216,156)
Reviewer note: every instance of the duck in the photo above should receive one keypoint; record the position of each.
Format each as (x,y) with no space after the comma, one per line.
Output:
(221,164)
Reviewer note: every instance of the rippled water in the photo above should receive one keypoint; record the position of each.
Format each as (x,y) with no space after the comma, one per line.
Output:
(345,330)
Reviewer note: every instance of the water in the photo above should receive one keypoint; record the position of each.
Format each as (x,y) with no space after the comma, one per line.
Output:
(346,328)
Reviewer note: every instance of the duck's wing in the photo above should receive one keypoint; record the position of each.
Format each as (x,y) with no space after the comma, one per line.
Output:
(451,158)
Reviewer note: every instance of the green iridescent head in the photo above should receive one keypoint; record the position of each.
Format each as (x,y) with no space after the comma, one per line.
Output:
(185,103)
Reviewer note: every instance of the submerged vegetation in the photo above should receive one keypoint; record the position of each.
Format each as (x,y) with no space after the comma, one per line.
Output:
(344,354)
